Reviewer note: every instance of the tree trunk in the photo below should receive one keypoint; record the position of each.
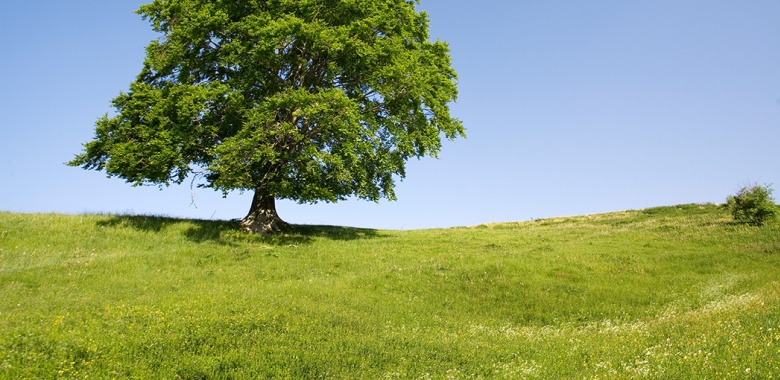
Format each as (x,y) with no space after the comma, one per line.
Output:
(262,217)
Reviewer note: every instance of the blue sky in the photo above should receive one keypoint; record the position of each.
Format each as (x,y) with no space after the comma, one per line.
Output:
(570,107)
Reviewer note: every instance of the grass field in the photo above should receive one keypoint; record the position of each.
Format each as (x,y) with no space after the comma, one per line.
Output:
(664,293)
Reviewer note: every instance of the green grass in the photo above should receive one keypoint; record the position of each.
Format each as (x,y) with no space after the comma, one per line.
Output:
(663,293)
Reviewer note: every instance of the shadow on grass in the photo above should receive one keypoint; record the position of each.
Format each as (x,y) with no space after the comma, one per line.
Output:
(334,232)
(230,233)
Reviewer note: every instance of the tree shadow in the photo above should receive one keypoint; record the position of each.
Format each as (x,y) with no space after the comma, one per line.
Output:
(334,232)
(230,232)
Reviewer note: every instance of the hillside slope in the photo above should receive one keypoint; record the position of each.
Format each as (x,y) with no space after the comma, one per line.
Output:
(668,292)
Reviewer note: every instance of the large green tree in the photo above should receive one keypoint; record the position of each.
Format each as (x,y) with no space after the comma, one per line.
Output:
(309,100)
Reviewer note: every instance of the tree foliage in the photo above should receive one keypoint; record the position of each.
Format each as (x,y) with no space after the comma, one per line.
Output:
(309,100)
(752,205)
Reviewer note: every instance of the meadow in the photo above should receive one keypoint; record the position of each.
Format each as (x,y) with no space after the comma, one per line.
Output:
(677,292)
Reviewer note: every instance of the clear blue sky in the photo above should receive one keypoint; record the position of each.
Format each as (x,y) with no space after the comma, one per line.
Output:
(571,108)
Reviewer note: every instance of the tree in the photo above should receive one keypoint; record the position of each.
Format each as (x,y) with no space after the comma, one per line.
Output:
(308,100)
(753,205)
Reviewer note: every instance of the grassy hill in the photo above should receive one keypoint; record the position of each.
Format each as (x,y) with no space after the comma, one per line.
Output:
(670,292)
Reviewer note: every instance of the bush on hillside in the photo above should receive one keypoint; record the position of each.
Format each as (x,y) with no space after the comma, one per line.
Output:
(753,205)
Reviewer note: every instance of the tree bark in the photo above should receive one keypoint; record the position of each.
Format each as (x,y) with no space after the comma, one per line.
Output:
(262,217)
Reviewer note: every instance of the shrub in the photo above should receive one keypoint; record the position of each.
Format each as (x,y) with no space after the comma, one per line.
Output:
(752,205)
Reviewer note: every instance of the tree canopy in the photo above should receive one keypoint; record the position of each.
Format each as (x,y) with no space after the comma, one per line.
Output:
(308,100)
